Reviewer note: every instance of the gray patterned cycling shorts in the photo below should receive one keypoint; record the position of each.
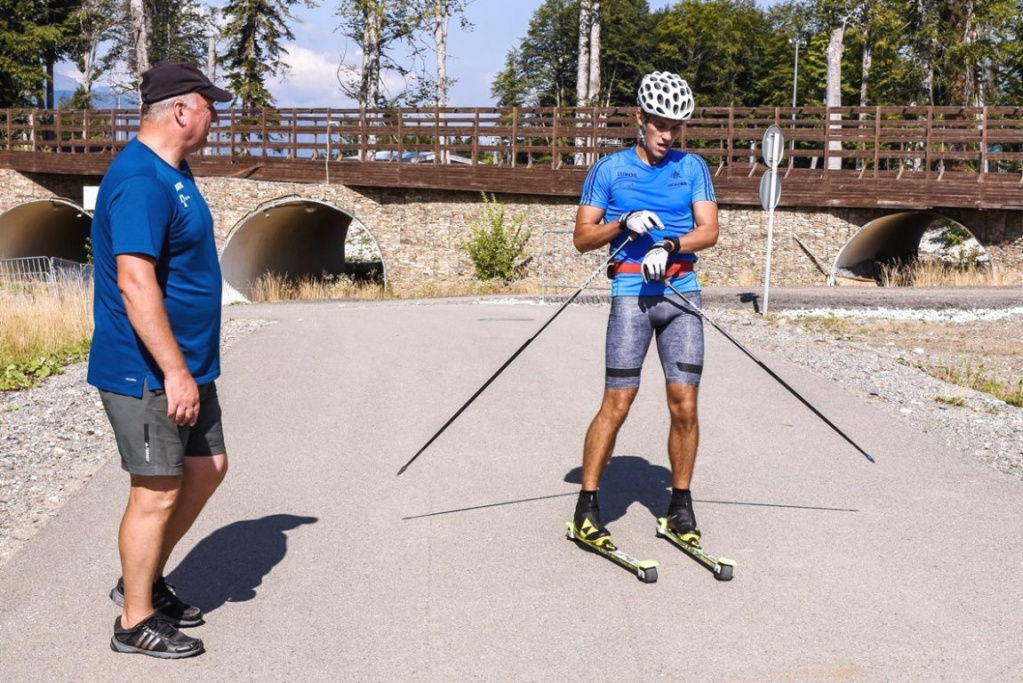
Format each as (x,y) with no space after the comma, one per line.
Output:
(634,320)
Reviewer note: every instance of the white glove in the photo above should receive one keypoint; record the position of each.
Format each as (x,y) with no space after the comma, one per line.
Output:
(655,263)
(640,222)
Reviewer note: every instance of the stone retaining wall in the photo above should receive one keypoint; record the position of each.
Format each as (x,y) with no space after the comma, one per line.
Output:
(419,232)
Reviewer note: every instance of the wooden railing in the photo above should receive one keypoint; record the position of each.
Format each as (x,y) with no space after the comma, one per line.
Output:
(920,141)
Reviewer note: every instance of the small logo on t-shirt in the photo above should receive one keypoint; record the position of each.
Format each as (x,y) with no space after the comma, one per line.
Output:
(178,186)
(184,199)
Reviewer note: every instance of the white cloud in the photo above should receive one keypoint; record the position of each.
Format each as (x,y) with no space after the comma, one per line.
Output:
(311,80)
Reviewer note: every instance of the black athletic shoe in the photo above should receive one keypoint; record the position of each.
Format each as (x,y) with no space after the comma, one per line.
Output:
(166,603)
(682,523)
(156,637)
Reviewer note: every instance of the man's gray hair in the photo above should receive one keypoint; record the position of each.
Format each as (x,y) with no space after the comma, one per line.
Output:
(156,110)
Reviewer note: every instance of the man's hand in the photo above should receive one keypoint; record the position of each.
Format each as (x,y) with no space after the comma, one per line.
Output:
(182,399)
(655,263)
(640,222)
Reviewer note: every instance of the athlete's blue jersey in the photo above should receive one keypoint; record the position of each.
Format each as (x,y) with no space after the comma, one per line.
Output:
(623,182)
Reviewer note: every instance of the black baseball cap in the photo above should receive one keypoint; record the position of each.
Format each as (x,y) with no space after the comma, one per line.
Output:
(169,79)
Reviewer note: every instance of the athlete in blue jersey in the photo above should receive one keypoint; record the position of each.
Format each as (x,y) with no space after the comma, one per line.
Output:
(660,203)
(155,350)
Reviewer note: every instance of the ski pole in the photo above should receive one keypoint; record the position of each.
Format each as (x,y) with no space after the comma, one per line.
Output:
(768,370)
(513,356)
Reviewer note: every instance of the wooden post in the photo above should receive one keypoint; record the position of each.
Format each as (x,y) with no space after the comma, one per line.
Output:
(515,136)
(983,142)
(877,139)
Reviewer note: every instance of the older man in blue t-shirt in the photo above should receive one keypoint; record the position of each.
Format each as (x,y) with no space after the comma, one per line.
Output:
(155,349)
(657,204)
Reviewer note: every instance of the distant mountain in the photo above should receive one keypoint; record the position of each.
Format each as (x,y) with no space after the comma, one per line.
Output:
(102,97)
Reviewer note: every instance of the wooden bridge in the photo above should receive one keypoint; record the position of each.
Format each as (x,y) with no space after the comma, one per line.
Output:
(878,157)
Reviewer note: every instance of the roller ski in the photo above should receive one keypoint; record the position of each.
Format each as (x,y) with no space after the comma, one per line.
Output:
(587,530)
(680,528)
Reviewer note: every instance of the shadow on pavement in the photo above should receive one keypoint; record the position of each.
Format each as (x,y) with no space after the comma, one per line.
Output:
(629,479)
(229,564)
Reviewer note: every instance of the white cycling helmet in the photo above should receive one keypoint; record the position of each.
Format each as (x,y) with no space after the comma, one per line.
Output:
(665,94)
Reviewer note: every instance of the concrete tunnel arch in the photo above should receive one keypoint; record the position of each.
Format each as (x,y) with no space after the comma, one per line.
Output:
(296,237)
(893,238)
(50,227)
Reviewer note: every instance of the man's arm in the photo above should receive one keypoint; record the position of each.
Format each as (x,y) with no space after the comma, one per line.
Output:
(705,228)
(143,300)
(590,233)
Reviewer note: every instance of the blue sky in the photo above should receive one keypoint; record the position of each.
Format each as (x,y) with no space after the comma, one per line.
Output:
(474,56)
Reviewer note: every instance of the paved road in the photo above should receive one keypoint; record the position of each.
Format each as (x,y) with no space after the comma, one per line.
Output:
(315,563)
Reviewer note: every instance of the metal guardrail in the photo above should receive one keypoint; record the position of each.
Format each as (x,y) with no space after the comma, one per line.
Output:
(43,269)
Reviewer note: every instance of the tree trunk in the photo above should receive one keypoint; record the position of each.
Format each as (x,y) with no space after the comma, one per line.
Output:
(593,91)
(369,89)
(836,47)
(141,36)
(211,58)
(868,55)
(442,14)
(582,73)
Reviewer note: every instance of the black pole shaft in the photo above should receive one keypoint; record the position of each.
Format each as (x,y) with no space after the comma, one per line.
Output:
(513,357)
(768,370)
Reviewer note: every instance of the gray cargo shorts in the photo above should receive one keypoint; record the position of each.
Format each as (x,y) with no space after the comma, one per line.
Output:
(150,443)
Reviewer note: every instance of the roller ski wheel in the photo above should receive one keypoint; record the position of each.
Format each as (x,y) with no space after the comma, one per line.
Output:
(645,570)
(689,543)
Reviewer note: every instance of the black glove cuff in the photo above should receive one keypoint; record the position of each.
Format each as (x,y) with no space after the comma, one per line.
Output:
(669,244)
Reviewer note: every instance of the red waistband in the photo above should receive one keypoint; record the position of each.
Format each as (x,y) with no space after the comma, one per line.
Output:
(637,268)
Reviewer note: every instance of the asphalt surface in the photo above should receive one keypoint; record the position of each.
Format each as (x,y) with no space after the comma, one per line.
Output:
(314,562)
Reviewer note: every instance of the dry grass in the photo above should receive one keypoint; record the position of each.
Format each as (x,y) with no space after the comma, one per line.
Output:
(41,327)
(982,355)
(934,273)
(275,287)
(980,378)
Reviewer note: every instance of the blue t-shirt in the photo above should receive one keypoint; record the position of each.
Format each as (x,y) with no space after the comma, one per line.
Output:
(145,206)
(623,182)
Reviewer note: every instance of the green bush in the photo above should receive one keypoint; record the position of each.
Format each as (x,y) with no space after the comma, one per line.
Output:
(498,251)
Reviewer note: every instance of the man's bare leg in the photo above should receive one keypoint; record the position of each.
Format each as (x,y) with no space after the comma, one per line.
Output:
(603,433)
(684,435)
(201,478)
(683,440)
(151,503)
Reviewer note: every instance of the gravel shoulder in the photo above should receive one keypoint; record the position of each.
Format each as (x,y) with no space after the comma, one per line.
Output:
(873,343)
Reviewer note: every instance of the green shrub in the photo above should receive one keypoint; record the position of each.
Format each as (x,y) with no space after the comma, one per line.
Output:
(498,251)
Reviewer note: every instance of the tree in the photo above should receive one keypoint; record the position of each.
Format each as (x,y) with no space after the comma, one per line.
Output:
(379,27)
(587,84)
(141,35)
(254,31)
(95,21)
(147,32)
(715,45)
(546,60)
(433,17)
(34,35)
(626,50)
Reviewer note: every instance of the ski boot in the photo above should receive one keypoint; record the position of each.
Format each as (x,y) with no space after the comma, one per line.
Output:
(586,529)
(587,525)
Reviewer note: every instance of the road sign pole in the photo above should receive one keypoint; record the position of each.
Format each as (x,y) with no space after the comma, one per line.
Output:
(773,147)
(770,242)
